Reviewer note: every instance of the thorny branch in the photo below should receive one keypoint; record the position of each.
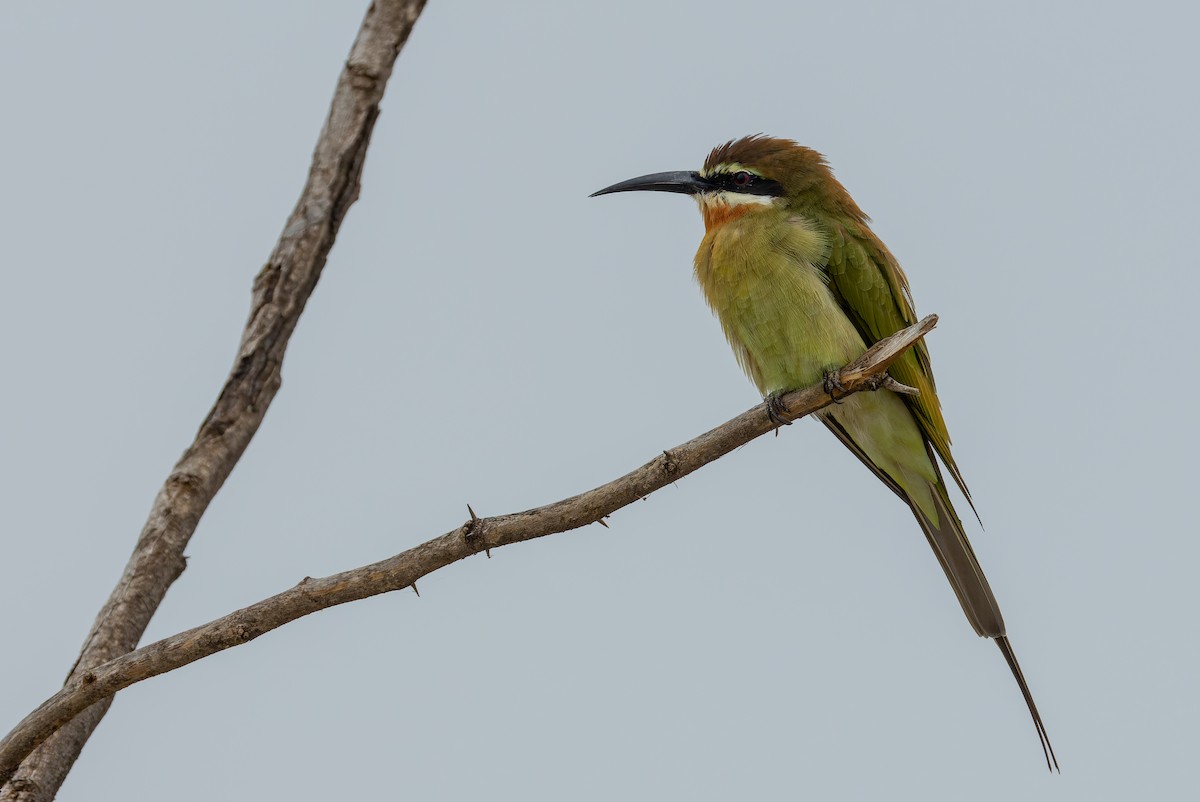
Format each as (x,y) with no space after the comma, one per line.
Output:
(280,292)
(97,683)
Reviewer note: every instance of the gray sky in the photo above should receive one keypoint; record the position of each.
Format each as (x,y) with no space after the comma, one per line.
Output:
(774,626)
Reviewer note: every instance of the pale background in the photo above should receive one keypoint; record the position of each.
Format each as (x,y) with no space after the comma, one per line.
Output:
(773,627)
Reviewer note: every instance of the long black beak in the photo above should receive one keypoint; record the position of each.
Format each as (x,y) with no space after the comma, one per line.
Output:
(687,183)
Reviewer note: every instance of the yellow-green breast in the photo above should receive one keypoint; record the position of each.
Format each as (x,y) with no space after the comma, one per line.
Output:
(761,275)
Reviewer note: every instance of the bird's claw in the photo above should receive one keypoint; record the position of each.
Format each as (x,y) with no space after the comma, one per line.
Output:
(831,383)
(776,410)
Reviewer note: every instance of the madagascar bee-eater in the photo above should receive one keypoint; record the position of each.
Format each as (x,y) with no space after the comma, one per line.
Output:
(802,286)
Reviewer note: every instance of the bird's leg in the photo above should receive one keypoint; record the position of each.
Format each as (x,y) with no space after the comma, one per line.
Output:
(776,410)
(831,383)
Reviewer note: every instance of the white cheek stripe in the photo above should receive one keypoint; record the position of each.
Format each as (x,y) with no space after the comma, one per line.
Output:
(726,198)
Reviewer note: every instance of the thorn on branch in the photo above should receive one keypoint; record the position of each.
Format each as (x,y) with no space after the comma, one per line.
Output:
(473,528)
(414,589)
(488,552)
(602,522)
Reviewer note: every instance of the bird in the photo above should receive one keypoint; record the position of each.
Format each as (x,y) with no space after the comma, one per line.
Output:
(801,285)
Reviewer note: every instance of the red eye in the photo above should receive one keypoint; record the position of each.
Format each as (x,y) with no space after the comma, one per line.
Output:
(742,178)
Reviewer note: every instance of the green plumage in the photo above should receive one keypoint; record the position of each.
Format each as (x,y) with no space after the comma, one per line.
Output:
(801,286)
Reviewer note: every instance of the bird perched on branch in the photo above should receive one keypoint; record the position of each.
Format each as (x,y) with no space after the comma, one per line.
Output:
(801,286)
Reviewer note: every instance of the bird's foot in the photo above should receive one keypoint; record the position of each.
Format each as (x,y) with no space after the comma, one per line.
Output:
(776,410)
(832,384)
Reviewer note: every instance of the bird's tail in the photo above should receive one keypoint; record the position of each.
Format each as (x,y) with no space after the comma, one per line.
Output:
(930,502)
(953,550)
(1007,650)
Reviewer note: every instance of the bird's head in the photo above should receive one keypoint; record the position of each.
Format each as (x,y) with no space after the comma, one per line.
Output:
(753,174)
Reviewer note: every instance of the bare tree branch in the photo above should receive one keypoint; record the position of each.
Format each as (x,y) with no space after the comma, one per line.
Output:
(92,686)
(280,292)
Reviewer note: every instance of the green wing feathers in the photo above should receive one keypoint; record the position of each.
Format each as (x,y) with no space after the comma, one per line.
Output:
(873,291)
